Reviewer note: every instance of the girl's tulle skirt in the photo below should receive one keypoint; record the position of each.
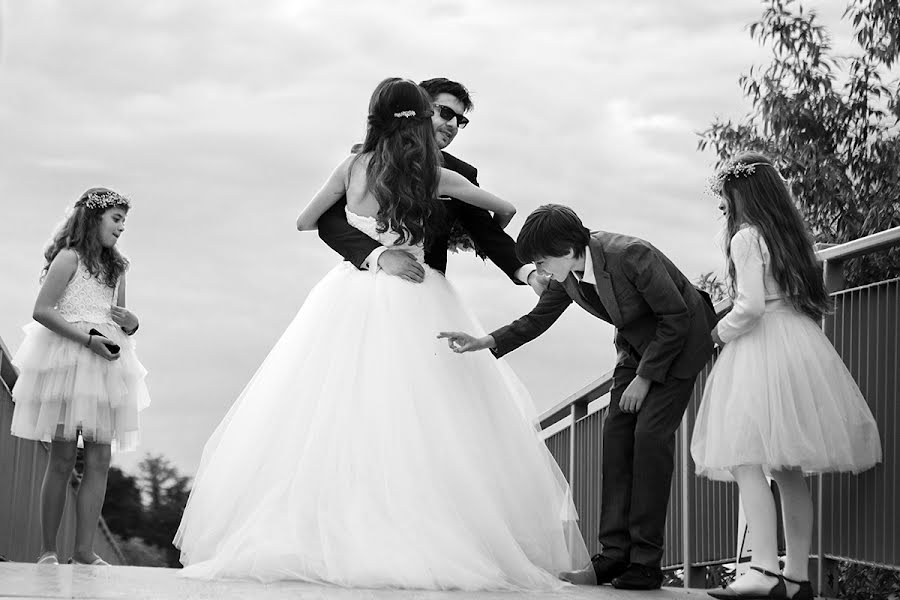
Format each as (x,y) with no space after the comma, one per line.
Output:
(780,397)
(65,389)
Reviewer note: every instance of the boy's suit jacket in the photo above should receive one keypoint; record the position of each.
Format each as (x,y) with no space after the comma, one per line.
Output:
(662,321)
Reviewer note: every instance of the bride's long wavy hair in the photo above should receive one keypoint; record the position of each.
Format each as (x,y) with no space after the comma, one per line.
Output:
(80,232)
(404,168)
(762,199)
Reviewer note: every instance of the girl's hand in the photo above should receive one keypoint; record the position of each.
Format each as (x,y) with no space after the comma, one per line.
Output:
(124,318)
(456,186)
(716,339)
(98,347)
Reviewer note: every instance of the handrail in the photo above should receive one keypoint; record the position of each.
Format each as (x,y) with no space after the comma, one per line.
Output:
(834,255)
(584,396)
(600,386)
(864,245)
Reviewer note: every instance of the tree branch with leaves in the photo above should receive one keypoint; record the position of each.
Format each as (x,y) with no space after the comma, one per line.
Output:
(829,122)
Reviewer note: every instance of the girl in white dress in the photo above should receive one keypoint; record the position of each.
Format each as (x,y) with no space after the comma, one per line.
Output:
(78,373)
(362,453)
(780,400)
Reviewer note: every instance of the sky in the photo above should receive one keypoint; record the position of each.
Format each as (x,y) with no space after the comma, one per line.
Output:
(221,118)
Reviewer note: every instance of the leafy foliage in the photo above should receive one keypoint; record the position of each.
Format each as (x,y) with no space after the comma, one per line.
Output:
(712,285)
(144,511)
(139,553)
(123,510)
(866,582)
(830,122)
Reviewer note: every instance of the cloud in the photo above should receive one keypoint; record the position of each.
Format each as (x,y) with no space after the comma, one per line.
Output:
(222,118)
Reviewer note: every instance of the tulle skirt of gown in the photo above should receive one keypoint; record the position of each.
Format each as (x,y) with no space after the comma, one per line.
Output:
(365,453)
(780,397)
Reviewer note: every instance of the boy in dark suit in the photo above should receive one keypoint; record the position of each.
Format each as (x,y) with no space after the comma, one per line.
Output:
(663,340)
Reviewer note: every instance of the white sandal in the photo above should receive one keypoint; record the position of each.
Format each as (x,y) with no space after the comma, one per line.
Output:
(48,558)
(98,562)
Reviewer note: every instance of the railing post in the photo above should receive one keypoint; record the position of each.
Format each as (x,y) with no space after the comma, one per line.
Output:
(833,273)
(578,410)
(686,525)
(693,576)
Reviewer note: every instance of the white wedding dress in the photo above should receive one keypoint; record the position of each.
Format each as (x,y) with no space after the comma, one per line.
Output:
(365,453)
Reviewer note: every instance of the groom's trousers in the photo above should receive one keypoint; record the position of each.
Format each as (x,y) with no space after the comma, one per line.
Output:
(637,464)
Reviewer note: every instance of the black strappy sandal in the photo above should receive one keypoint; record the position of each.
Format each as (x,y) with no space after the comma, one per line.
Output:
(778,591)
(804,593)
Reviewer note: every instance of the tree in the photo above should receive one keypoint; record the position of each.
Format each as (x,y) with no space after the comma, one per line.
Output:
(712,285)
(830,122)
(166,493)
(123,510)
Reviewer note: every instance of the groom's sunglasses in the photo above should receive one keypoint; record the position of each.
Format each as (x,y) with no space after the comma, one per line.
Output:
(448,114)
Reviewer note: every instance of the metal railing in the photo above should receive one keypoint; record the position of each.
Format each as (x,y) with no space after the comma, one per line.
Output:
(857,516)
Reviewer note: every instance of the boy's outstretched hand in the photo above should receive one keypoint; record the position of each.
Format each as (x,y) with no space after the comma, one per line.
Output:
(461,342)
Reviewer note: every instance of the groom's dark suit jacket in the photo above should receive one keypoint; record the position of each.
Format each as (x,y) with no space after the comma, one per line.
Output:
(662,321)
(356,246)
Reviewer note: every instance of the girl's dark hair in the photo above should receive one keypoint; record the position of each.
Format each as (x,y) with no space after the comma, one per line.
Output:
(551,230)
(79,232)
(762,199)
(404,169)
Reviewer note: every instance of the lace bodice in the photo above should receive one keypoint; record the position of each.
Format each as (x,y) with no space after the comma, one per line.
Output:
(369,226)
(86,298)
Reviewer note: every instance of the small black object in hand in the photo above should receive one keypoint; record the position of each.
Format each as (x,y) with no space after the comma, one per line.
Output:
(114,348)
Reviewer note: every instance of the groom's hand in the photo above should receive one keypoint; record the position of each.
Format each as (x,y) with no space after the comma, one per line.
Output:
(463,342)
(401,264)
(633,396)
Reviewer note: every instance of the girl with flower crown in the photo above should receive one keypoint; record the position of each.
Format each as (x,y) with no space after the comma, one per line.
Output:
(779,400)
(78,373)
(363,453)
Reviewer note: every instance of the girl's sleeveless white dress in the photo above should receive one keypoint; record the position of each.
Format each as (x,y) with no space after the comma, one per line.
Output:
(779,395)
(365,453)
(64,389)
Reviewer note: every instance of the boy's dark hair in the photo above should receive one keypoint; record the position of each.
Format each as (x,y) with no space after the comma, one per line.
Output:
(442,85)
(551,230)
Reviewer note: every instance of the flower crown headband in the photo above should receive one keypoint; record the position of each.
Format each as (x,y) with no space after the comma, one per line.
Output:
(103,199)
(390,122)
(732,169)
(411,114)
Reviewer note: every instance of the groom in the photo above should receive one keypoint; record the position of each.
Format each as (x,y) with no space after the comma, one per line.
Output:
(663,341)
(451,102)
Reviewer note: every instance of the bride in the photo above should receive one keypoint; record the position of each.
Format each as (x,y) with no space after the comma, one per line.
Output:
(363,453)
